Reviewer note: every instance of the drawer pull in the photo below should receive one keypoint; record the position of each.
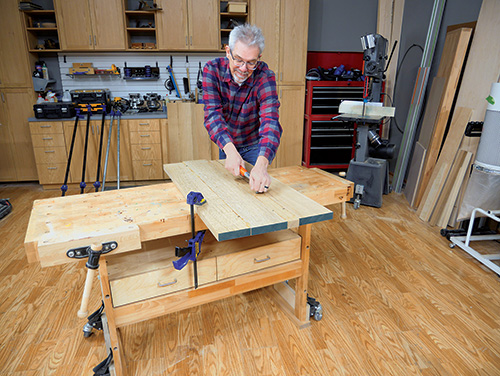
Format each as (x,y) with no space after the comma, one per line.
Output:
(168,283)
(148,148)
(45,126)
(145,135)
(51,168)
(50,151)
(47,138)
(147,164)
(261,260)
(143,123)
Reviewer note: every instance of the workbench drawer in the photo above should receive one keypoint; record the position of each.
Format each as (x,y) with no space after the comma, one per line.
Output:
(46,127)
(145,152)
(160,282)
(47,140)
(143,125)
(265,256)
(55,154)
(141,138)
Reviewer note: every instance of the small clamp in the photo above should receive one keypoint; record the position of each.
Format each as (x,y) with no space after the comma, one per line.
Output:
(192,251)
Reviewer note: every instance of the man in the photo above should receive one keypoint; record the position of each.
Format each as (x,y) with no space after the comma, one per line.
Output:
(241,106)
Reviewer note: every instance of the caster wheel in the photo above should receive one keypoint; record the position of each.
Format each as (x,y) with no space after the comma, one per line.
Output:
(452,245)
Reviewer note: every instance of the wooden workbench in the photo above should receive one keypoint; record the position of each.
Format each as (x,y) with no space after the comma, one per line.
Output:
(250,245)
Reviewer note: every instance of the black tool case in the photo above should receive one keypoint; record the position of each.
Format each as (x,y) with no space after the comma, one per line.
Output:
(57,110)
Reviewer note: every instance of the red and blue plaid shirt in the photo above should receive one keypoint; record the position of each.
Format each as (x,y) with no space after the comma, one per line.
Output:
(245,115)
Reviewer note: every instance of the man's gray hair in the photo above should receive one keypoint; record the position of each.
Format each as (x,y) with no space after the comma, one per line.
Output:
(247,34)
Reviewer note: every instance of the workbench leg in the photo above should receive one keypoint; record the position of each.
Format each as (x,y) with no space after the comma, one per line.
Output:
(301,310)
(344,214)
(114,335)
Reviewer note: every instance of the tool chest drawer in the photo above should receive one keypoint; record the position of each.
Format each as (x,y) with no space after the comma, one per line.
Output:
(151,137)
(143,125)
(281,249)
(47,140)
(46,127)
(145,152)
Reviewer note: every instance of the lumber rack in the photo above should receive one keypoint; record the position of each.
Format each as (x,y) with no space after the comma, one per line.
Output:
(464,241)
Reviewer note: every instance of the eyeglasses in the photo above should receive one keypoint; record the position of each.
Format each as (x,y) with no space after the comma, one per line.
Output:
(251,65)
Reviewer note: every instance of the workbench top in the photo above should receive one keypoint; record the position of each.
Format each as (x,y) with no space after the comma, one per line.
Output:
(134,215)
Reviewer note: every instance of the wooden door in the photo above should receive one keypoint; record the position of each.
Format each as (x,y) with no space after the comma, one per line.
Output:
(292,121)
(18,105)
(172,25)
(14,63)
(203,24)
(293,42)
(266,15)
(108,25)
(74,24)
(7,166)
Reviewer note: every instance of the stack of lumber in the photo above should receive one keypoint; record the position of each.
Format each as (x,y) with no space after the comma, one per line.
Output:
(438,175)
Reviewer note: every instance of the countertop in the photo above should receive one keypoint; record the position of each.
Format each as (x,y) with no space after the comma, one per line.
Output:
(126,116)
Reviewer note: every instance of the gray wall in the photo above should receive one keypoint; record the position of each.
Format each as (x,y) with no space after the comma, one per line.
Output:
(336,25)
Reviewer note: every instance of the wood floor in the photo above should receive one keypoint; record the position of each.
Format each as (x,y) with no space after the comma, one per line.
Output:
(396,299)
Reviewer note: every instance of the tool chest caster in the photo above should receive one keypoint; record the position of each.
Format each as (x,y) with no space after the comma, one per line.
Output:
(315,308)
(94,322)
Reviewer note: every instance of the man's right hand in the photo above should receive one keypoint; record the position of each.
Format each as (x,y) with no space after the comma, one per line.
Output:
(233,159)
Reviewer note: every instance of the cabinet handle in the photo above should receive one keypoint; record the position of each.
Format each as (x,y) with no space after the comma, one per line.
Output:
(143,123)
(147,148)
(168,283)
(90,40)
(92,129)
(51,168)
(3,98)
(50,151)
(147,164)
(45,126)
(261,260)
(145,135)
(186,40)
(95,43)
(47,138)
(191,40)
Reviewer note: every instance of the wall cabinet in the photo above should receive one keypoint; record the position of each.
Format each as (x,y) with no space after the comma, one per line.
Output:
(90,24)
(14,58)
(188,25)
(284,25)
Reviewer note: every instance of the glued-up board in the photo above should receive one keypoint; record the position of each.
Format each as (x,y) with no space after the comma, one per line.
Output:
(232,210)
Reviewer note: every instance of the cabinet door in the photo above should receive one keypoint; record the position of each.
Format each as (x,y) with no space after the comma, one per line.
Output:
(187,136)
(172,25)
(18,106)
(14,64)
(292,121)
(108,24)
(293,43)
(203,24)
(266,15)
(7,166)
(74,25)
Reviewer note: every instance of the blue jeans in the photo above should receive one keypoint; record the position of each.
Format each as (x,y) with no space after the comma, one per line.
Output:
(248,153)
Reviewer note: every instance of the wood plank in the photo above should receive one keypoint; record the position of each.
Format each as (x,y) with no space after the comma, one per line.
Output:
(417,162)
(450,69)
(454,191)
(451,181)
(233,211)
(440,172)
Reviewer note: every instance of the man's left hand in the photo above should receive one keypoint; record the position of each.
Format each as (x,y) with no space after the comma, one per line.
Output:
(260,180)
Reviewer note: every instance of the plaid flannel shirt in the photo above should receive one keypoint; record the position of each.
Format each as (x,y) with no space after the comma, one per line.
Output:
(245,115)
